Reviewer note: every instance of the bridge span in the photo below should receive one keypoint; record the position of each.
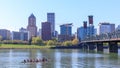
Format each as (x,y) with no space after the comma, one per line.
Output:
(99,44)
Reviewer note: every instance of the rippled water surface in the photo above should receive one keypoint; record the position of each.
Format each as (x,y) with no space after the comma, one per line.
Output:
(58,58)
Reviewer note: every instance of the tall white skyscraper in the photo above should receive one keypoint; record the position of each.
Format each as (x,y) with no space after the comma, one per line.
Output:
(51,19)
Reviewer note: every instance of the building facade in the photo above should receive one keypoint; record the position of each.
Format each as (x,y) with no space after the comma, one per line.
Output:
(32,28)
(40,32)
(16,35)
(6,35)
(91,26)
(90,30)
(66,29)
(46,31)
(23,29)
(24,36)
(82,32)
(118,28)
(105,27)
(51,19)
(62,38)
(65,32)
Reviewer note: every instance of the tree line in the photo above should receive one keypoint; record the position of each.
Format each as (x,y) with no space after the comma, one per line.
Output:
(40,42)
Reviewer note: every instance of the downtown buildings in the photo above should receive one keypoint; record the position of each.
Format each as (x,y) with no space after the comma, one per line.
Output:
(48,28)
(47,31)
(86,30)
(26,34)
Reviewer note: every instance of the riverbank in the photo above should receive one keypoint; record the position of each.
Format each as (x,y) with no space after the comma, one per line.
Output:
(22,46)
(67,47)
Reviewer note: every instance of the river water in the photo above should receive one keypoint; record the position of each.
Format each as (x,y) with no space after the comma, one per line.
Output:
(58,58)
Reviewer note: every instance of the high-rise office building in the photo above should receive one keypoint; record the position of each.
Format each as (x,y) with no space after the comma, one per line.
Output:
(20,36)
(118,28)
(65,33)
(91,26)
(90,19)
(80,33)
(23,29)
(66,29)
(24,34)
(85,29)
(46,31)
(51,19)
(39,32)
(6,35)
(32,28)
(105,27)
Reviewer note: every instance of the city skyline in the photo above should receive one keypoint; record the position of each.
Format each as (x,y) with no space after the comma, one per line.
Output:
(14,14)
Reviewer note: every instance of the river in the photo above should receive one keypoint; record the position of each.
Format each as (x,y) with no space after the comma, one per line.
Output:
(58,58)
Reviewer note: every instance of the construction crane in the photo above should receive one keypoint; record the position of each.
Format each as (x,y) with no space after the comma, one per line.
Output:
(68,24)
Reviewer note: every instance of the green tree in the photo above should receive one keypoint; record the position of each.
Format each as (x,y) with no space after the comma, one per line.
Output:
(0,38)
(51,42)
(55,39)
(67,43)
(37,41)
(30,41)
(75,41)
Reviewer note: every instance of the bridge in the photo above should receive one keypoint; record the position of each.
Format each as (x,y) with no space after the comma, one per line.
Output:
(97,41)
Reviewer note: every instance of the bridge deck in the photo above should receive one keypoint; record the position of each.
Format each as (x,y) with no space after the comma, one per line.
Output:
(105,40)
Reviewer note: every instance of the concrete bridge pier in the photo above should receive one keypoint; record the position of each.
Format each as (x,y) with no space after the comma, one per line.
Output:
(85,46)
(100,46)
(91,46)
(113,47)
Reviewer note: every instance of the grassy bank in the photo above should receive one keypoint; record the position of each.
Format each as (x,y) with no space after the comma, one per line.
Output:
(21,46)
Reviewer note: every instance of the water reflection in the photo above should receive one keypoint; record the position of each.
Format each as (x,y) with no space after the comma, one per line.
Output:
(39,55)
(58,58)
(74,59)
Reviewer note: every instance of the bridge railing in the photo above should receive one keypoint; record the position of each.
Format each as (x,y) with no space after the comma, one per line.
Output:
(106,36)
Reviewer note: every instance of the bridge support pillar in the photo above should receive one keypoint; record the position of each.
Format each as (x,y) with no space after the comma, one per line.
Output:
(85,47)
(113,47)
(91,46)
(100,46)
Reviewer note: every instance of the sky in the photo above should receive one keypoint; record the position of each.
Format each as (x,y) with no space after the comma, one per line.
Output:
(14,13)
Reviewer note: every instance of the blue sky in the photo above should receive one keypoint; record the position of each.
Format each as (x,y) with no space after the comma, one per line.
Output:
(14,13)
